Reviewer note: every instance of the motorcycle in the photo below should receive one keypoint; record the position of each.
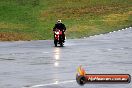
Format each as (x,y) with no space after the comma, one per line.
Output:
(58,38)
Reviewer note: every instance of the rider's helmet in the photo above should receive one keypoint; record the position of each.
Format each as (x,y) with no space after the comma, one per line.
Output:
(59,21)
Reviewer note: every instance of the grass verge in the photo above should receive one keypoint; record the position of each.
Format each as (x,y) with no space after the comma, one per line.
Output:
(34,19)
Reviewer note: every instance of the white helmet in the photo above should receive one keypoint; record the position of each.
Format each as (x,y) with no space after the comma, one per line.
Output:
(59,21)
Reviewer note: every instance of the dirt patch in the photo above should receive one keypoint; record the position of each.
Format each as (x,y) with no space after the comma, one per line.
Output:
(67,12)
(4,25)
(14,36)
(114,19)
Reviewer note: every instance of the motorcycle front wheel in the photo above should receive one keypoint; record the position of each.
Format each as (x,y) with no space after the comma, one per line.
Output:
(61,44)
(55,43)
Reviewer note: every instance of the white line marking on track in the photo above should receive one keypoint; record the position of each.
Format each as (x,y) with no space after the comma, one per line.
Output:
(49,84)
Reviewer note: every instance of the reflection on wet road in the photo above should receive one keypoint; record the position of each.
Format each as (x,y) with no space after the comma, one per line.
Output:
(56,56)
(38,64)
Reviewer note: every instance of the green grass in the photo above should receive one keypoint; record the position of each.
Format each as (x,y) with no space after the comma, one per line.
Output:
(34,19)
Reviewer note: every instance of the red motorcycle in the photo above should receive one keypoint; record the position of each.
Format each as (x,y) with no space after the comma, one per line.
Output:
(58,38)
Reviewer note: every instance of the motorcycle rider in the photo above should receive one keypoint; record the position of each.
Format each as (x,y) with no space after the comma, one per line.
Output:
(59,25)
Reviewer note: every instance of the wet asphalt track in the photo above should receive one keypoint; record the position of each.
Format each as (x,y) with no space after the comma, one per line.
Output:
(38,64)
